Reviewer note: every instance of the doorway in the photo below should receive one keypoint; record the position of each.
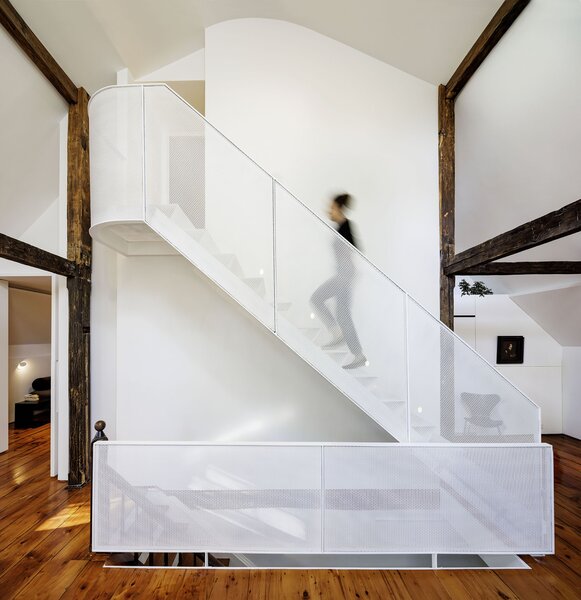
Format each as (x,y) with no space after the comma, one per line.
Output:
(35,386)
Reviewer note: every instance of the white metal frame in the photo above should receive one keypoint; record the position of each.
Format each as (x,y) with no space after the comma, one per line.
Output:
(101,447)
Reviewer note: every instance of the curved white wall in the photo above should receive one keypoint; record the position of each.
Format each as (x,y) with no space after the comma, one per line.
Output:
(323,117)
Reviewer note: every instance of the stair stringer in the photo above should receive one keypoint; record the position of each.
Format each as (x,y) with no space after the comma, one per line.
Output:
(213,268)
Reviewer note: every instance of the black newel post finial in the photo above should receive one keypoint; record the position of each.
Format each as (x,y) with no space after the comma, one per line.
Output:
(100,435)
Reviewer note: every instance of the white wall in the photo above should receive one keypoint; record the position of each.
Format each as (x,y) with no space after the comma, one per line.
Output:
(3,366)
(539,377)
(193,365)
(44,232)
(38,364)
(31,111)
(518,127)
(322,118)
(104,338)
(572,391)
(49,231)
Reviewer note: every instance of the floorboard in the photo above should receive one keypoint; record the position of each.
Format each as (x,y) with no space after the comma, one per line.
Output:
(44,550)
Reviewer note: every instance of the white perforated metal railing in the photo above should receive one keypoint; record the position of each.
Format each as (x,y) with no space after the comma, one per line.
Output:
(322,498)
(161,174)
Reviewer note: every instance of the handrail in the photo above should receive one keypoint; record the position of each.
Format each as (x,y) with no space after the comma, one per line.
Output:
(215,444)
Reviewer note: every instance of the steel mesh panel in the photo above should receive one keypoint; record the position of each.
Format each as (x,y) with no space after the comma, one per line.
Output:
(306,498)
(438,499)
(249,498)
(334,293)
(116,142)
(457,396)
(210,201)
(186,176)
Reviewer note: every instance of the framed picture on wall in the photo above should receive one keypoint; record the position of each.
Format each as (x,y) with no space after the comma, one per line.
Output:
(510,350)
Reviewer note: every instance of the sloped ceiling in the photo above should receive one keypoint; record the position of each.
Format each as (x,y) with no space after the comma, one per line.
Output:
(92,39)
(557,312)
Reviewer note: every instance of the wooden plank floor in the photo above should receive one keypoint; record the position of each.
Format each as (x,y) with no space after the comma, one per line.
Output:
(44,550)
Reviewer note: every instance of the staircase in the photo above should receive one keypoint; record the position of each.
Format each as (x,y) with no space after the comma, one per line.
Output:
(164,181)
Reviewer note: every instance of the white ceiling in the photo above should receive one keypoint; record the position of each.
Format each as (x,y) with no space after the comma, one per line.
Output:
(92,39)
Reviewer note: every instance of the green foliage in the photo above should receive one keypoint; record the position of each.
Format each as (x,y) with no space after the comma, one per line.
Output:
(477,289)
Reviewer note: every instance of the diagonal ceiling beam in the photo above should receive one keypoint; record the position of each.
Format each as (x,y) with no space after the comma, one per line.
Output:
(548,228)
(500,23)
(33,47)
(25,254)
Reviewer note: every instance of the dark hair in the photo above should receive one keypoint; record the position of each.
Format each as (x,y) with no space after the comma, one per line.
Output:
(342,200)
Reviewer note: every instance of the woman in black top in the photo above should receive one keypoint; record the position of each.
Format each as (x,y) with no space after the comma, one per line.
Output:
(340,286)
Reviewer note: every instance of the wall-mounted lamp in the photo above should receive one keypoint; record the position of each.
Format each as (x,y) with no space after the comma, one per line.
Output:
(22,365)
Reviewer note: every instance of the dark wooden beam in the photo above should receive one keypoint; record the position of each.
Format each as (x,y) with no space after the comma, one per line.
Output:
(79,200)
(548,228)
(447,190)
(446,170)
(79,251)
(25,254)
(527,268)
(498,26)
(79,386)
(33,47)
